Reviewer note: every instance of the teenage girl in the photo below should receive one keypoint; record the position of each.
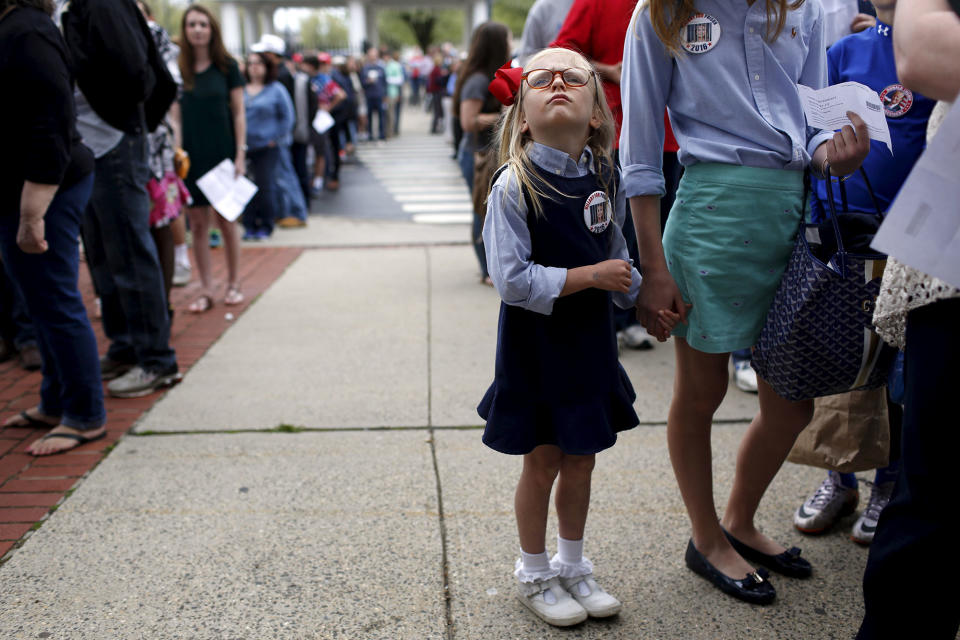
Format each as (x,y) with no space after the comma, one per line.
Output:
(558,259)
(727,71)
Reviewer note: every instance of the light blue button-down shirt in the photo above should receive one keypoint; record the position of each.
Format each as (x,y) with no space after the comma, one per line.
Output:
(506,237)
(734,104)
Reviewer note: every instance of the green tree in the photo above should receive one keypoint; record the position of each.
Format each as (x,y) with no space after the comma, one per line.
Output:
(422,27)
(324,31)
(512,13)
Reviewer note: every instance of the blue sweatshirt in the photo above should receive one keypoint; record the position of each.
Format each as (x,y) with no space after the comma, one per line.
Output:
(270,116)
(867,58)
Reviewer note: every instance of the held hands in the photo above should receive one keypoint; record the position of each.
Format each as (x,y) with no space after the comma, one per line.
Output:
(659,304)
(849,147)
(30,236)
(612,275)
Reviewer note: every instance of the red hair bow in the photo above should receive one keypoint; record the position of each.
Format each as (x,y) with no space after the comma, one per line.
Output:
(506,83)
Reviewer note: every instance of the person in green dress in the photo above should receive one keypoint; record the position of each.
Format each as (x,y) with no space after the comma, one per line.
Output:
(211,121)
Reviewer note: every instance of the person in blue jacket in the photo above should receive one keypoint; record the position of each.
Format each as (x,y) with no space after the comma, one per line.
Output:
(867,58)
(270,115)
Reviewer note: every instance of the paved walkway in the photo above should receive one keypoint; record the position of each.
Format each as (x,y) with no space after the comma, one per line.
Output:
(319,472)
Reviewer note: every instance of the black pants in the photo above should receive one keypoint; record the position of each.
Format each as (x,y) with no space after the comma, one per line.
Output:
(298,152)
(915,542)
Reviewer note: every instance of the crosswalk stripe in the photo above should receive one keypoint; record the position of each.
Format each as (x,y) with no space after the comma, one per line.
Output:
(443,218)
(444,207)
(431,197)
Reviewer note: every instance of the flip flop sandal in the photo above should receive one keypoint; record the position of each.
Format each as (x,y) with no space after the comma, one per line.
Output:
(81,440)
(233,297)
(201,305)
(32,423)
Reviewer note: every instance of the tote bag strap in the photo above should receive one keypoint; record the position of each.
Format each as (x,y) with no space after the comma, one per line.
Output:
(841,253)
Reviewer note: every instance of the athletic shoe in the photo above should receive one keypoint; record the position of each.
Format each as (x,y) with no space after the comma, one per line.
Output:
(182,274)
(866,524)
(550,602)
(636,337)
(111,369)
(830,502)
(591,596)
(139,382)
(744,376)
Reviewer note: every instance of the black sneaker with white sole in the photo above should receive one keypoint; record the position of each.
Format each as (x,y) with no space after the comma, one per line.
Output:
(139,382)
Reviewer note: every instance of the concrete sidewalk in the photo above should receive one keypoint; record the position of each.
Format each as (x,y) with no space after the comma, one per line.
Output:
(319,474)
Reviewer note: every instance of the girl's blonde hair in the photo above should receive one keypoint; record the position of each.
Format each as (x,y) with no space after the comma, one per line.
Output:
(513,142)
(669,16)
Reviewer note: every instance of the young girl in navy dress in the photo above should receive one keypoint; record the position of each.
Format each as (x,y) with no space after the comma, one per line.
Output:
(558,259)
(727,71)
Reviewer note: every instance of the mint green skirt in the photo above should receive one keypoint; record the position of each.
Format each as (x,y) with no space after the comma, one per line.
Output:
(727,242)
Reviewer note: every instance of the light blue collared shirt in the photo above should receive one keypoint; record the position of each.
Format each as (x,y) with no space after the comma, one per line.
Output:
(506,237)
(737,103)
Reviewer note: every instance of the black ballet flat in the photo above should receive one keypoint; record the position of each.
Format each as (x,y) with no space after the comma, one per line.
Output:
(754,588)
(789,563)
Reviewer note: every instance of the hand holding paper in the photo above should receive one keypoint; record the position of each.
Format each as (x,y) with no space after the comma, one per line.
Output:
(827,108)
(227,191)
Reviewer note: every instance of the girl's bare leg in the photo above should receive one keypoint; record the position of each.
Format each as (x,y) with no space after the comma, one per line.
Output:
(200,226)
(532,500)
(764,448)
(231,242)
(699,387)
(573,495)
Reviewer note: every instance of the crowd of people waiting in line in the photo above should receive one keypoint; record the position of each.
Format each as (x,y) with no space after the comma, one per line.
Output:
(184,104)
(598,110)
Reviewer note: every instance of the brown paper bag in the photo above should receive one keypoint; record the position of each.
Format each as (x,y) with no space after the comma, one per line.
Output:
(849,432)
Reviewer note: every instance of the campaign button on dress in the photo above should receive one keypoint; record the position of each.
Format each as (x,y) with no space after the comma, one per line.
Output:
(701,33)
(596,212)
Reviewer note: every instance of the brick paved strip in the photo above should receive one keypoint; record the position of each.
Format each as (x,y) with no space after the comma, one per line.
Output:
(22,515)
(29,499)
(30,486)
(72,471)
(14,531)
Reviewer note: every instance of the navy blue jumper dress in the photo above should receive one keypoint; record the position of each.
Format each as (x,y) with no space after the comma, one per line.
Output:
(558,379)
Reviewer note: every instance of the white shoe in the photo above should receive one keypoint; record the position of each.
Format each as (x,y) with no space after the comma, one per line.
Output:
(744,376)
(550,602)
(866,524)
(830,502)
(182,274)
(591,596)
(636,337)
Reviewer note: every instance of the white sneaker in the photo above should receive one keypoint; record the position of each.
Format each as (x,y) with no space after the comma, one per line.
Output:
(636,337)
(866,524)
(550,602)
(744,376)
(591,596)
(182,274)
(830,502)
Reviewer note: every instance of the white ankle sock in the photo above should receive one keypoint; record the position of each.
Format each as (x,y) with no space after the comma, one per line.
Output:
(535,562)
(569,551)
(180,254)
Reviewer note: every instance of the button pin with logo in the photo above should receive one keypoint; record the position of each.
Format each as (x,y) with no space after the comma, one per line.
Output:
(700,34)
(596,212)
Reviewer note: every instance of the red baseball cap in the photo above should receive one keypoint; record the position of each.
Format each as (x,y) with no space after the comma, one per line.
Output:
(324,57)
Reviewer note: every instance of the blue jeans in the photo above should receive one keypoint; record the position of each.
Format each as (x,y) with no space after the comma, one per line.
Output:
(15,323)
(262,209)
(123,259)
(289,194)
(47,282)
(465,160)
